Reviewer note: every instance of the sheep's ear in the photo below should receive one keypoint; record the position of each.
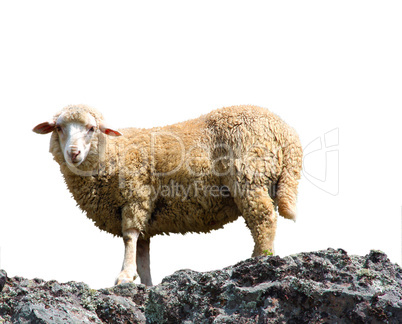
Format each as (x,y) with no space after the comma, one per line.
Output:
(44,128)
(109,131)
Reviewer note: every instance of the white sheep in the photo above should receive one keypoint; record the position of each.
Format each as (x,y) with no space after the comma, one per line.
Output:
(193,176)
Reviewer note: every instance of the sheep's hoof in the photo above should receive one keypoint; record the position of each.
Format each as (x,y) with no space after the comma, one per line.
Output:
(122,281)
(124,278)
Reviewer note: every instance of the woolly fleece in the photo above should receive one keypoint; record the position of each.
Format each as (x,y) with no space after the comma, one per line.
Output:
(193,176)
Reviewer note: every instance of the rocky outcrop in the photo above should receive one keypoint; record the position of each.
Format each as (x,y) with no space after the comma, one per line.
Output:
(318,287)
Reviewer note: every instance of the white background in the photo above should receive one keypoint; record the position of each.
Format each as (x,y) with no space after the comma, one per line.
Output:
(324,66)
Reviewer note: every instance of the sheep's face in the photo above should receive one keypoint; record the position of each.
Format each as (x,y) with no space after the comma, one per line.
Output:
(75,137)
(75,130)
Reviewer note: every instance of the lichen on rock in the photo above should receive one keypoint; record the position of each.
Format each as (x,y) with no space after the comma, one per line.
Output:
(315,287)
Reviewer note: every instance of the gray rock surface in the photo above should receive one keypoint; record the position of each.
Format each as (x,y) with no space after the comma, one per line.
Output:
(3,279)
(317,287)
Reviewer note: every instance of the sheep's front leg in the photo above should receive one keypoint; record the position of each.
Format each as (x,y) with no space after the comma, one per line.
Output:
(143,262)
(128,271)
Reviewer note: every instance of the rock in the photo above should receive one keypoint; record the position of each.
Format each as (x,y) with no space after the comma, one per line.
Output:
(3,279)
(317,287)
(37,301)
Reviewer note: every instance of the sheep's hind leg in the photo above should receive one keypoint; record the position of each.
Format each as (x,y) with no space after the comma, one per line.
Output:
(259,213)
(143,262)
(128,271)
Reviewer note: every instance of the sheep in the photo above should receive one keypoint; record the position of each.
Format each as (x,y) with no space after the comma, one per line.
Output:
(193,176)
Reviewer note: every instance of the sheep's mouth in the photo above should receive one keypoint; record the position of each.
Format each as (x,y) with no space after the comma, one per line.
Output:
(74,163)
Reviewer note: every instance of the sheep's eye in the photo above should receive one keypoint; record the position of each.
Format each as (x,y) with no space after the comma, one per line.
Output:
(58,129)
(91,129)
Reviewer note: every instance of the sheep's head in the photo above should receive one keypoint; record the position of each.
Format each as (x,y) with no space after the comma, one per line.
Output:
(75,128)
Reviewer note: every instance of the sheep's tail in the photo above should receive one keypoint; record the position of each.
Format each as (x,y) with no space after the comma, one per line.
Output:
(286,194)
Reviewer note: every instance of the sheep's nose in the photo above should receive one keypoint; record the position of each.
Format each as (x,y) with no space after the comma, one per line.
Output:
(74,155)
(74,152)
